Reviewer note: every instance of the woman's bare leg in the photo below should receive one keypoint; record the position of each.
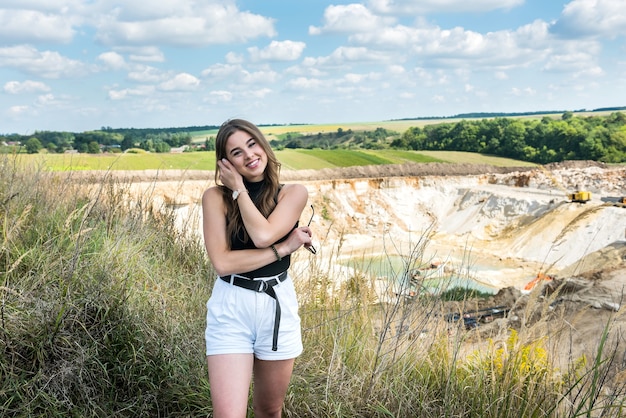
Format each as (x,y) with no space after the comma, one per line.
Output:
(229,377)
(271,380)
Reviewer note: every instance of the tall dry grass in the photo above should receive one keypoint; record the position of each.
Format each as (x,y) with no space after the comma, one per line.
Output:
(101,303)
(102,307)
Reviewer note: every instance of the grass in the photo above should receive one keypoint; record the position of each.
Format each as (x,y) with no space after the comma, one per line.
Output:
(102,314)
(293,159)
(97,319)
(461,157)
(347,158)
(127,161)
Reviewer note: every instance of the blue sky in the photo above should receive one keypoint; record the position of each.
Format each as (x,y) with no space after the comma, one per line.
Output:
(77,65)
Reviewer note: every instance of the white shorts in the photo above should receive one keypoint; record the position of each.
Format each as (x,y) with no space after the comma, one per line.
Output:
(241,321)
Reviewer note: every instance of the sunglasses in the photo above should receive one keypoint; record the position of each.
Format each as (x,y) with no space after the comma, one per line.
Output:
(310,247)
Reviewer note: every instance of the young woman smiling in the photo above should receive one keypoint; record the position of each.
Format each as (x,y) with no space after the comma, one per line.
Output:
(250,225)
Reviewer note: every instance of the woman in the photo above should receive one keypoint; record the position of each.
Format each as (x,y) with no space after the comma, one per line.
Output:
(250,229)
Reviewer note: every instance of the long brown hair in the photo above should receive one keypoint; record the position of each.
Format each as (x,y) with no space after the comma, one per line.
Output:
(266,202)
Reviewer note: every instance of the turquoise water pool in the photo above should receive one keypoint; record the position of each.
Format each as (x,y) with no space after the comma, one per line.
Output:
(407,274)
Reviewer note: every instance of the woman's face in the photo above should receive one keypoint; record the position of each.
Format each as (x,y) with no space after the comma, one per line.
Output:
(246,155)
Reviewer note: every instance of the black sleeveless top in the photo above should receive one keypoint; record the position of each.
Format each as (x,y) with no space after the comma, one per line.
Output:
(237,240)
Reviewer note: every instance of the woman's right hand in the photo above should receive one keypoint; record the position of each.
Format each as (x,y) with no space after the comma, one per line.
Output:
(229,176)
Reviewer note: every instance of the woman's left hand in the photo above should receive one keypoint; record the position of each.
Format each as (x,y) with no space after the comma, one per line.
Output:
(299,237)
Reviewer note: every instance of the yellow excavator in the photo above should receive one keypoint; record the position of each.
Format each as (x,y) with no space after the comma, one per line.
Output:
(579,196)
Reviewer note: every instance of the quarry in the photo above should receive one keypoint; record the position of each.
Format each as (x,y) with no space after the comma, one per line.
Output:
(504,225)
(504,228)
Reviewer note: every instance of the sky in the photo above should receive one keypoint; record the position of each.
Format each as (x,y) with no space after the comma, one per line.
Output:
(79,65)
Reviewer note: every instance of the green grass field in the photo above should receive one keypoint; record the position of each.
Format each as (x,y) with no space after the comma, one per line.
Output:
(292,159)
(144,161)
(299,159)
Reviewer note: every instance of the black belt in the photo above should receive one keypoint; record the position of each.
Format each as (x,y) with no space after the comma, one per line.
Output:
(261,286)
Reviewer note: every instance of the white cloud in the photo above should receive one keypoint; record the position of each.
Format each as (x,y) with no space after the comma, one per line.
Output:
(260,93)
(45,64)
(526,91)
(181,23)
(278,51)
(134,10)
(147,74)
(125,93)
(28,86)
(258,77)
(142,53)
(47,100)
(221,71)
(573,56)
(501,75)
(112,60)
(602,18)
(18,110)
(219,96)
(56,6)
(349,18)
(303,83)
(591,72)
(118,94)
(446,47)
(234,58)
(411,7)
(396,69)
(391,37)
(31,26)
(438,98)
(344,54)
(180,82)
(355,78)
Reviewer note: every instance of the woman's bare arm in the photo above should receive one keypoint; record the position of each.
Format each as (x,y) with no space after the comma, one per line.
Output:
(226,261)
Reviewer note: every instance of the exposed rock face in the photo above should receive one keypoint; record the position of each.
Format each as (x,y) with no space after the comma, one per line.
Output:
(511,218)
(513,222)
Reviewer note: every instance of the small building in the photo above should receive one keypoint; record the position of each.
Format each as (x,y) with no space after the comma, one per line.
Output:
(179,150)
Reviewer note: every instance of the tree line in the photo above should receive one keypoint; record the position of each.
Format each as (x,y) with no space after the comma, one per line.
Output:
(598,138)
(539,140)
(94,142)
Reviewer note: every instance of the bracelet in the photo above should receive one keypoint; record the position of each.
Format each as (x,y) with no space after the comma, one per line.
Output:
(278,257)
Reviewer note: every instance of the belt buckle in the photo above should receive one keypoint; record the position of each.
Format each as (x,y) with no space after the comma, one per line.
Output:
(263,286)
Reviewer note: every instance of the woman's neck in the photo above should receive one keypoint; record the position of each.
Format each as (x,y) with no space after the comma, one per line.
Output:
(254,187)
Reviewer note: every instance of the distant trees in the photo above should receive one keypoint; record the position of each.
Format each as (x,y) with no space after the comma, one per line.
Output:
(55,141)
(128,142)
(94,142)
(540,141)
(376,139)
(33,145)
